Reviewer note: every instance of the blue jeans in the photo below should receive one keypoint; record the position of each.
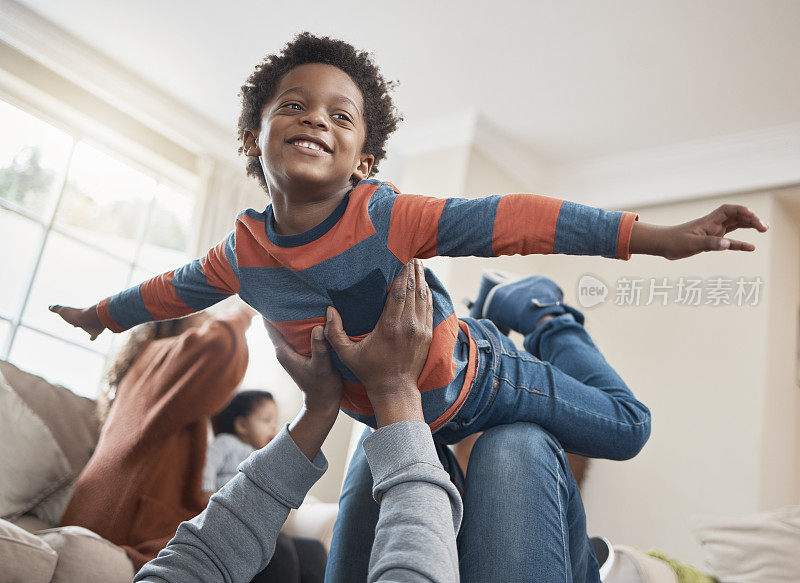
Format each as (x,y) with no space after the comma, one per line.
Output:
(523,515)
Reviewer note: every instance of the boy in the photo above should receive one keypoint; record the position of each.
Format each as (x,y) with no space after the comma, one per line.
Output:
(314,123)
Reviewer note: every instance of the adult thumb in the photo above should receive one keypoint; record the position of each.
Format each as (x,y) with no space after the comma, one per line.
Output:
(334,331)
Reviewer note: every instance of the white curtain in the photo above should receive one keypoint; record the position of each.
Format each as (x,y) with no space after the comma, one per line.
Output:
(225,190)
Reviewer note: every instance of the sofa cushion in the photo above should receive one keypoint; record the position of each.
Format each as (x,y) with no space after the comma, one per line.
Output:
(33,465)
(70,418)
(753,548)
(85,557)
(24,557)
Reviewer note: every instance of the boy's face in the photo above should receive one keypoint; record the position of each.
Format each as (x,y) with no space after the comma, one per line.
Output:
(314,103)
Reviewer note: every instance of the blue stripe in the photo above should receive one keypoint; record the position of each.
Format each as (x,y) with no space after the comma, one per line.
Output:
(193,289)
(586,230)
(127,308)
(466,227)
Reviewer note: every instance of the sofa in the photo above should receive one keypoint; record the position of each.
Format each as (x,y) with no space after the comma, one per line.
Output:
(47,434)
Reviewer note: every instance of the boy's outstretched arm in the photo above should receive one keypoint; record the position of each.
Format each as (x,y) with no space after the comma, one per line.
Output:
(174,294)
(704,234)
(525,224)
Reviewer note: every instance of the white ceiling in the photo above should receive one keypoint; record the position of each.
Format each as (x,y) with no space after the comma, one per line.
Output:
(565,80)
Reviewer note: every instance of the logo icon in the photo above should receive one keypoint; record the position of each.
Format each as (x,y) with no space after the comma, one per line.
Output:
(591,291)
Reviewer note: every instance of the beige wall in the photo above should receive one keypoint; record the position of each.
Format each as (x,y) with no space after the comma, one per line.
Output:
(720,380)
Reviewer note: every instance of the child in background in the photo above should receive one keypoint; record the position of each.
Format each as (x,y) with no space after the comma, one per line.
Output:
(247,423)
(315,120)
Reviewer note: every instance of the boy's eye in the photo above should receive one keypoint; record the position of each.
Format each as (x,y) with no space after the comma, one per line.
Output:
(345,117)
(291,104)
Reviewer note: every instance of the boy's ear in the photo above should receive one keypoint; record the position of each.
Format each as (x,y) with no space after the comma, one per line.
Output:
(364,166)
(250,143)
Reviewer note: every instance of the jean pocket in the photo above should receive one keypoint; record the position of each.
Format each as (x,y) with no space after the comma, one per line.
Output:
(484,388)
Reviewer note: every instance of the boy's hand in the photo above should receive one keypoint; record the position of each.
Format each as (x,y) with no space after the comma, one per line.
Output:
(320,382)
(703,234)
(85,318)
(390,359)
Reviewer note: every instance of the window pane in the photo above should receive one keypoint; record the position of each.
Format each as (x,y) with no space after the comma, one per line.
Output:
(5,328)
(166,241)
(72,274)
(33,159)
(77,369)
(19,244)
(105,202)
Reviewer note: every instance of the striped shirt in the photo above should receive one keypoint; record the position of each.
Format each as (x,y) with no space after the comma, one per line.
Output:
(350,260)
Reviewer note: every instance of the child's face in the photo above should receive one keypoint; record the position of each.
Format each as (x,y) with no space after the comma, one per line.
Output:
(322,102)
(261,426)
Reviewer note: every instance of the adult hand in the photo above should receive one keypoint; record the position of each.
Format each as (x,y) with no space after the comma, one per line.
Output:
(390,359)
(86,318)
(704,234)
(314,375)
(321,386)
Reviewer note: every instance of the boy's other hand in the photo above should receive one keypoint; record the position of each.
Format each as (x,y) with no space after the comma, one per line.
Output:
(314,375)
(86,319)
(390,359)
(704,234)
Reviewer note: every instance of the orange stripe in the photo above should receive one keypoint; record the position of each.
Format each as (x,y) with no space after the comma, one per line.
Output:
(218,271)
(624,235)
(161,299)
(525,224)
(355,399)
(440,368)
(252,244)
(354,226)
(414,226)
(298,333)
(354,395)
(104,313)
(469,378)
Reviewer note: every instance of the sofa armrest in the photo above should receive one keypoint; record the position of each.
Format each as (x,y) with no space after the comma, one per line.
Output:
(314,519)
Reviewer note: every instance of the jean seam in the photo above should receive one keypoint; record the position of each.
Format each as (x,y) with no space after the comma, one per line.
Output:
(561,521)
(538,392)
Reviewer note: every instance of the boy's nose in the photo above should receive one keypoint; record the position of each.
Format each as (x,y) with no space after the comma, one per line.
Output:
(315,118)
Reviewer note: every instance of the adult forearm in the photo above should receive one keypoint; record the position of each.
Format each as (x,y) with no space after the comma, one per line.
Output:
(397,403)
(310,428)
(234,537)
(421,510)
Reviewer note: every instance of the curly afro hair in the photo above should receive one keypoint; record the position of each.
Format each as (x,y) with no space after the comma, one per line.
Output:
(380,113)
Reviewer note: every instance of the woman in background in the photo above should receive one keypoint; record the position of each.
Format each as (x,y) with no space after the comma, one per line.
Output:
(145,475)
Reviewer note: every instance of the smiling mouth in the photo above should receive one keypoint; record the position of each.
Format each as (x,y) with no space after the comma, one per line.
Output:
(311,145)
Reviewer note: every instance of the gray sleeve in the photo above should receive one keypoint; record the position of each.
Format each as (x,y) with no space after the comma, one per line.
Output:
(215,455)
(233,539)
(421,510)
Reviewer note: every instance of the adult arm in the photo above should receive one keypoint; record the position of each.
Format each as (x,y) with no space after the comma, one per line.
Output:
(420,508)
(174,294)
(233,539)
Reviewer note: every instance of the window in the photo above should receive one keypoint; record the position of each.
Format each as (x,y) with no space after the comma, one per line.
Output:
(76,225)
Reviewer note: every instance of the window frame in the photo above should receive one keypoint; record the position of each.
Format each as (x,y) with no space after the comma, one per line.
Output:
(48,225)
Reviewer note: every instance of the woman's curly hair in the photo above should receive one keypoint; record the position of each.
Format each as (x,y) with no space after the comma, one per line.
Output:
(380,113)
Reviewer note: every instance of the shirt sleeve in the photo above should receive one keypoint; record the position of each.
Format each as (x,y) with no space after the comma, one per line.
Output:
(424,226)
(233,539)
(420,508)
(191,288)
(215,455)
